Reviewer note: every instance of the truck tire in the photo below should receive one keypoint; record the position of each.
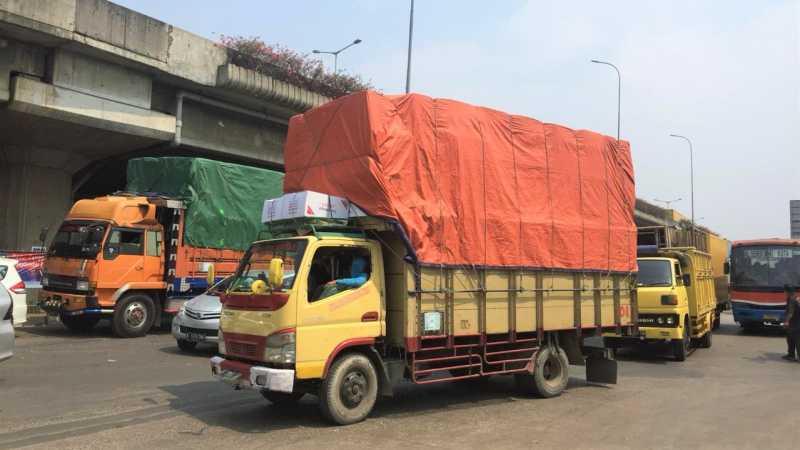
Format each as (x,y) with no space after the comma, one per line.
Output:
(133,316)
(705,341)
(282,398)
(550,374)
(79,324)
(680,347)
(350,390)
(186,346)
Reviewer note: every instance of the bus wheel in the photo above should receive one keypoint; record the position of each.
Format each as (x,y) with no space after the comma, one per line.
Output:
(550,374)
(79,324)
(350,390)
(133,316)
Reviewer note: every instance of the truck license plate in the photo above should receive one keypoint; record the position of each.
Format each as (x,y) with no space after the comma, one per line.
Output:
(770,318)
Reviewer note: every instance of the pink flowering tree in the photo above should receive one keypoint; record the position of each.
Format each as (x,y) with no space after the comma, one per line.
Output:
(287,65)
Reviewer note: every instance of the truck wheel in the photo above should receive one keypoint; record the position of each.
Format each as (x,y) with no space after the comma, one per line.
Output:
(282,398)
(680,347)
(349,392)
(550,374)
(186,346)
(79,324)
(133,316)
(705,341)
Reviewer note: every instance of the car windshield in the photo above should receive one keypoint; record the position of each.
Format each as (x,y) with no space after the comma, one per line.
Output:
(78,239)
(654,273)
(765,266)
(255,263)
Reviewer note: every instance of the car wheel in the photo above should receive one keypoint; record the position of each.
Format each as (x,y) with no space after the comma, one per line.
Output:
(133,316)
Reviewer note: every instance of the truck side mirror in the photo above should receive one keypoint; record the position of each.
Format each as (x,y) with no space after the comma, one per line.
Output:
(276,273)
(687,280)
(726,268)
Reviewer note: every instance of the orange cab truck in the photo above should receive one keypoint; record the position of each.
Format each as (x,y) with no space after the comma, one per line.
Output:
(133,257)
(483,244)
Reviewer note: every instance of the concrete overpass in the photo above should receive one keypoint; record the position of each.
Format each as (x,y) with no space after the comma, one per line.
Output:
(86,84)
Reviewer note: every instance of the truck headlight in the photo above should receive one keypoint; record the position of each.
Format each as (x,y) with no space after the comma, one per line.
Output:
(670,320)
(281,347)
(82,285)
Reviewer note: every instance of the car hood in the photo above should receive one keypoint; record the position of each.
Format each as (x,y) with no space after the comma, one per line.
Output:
(205,303)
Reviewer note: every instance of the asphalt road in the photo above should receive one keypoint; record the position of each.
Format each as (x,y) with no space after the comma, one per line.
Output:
(97,391)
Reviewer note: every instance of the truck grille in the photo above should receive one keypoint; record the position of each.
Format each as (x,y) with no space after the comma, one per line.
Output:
(242,349)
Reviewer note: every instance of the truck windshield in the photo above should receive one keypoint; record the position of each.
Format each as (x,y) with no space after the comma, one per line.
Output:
(766,266)
(78,239)
(654,273)
(255,263)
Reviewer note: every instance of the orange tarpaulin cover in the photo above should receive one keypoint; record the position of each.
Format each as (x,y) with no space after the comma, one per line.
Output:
(471,185)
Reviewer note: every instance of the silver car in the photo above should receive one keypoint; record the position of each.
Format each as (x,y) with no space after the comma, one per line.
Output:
(6,325)
(198,319)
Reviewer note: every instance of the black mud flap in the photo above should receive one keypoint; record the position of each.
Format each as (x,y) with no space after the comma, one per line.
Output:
(600,369)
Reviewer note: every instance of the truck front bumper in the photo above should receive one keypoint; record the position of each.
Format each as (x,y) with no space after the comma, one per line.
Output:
(249,376)
(59,303)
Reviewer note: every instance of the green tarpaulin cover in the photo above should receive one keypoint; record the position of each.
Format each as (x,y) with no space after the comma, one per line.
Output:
(223,200)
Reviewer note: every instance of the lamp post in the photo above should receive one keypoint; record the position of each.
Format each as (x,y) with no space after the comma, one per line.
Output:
(691,172)
(667,203)
(619,90)
(336,54)
(410,38)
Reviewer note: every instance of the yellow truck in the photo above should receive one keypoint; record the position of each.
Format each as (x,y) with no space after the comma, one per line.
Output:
(676,299)
(287,331)
(431,240)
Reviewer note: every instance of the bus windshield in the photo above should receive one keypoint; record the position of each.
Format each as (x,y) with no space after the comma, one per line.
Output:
(255,263)
(765,266)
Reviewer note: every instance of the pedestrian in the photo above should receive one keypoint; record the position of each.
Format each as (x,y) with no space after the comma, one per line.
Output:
(792,323)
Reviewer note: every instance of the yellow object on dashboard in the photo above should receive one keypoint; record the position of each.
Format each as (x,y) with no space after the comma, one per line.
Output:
(258,287)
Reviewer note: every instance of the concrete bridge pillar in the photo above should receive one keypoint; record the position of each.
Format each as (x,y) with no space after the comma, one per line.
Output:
(35,192)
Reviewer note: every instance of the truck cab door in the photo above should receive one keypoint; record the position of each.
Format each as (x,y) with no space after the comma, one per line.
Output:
(331,318)
(123,259)
(154,255)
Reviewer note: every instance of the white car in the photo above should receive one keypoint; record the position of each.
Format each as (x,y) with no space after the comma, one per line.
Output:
(10,279)
(198,319)
(6,325)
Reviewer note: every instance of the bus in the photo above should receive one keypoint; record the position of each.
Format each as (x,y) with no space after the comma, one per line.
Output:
(759,270)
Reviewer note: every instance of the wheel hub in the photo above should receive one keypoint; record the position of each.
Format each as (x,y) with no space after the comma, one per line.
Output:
(354,387)
(135,314)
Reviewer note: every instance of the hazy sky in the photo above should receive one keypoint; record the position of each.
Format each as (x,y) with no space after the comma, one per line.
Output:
(725,73)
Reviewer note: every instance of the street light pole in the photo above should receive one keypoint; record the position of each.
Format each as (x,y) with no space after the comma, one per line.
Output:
(410,39)
(336,54)
(691,172)
(619,90)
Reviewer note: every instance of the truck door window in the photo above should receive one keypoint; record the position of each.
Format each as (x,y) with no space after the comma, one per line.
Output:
(153,243)
(337,269)
(678,275)
(126,242)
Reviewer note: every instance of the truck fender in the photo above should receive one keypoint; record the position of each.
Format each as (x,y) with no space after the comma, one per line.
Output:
(138,286)
(366,347)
